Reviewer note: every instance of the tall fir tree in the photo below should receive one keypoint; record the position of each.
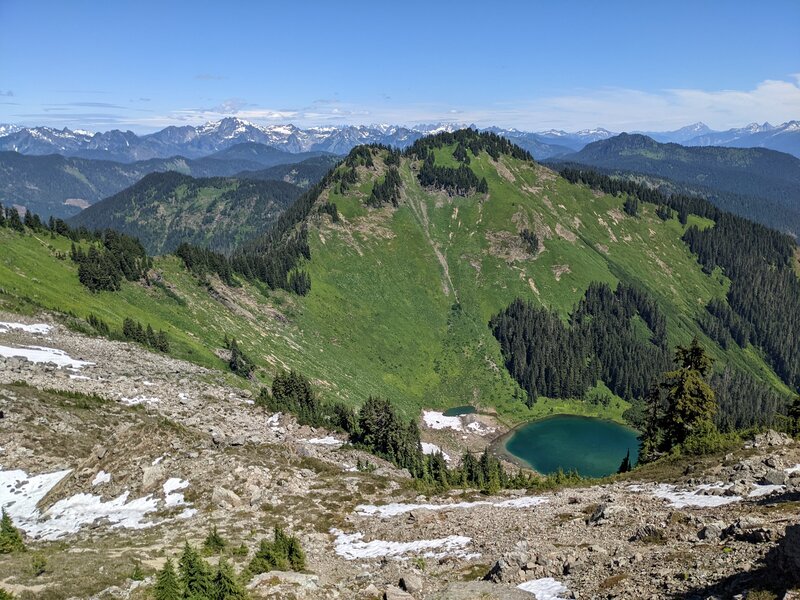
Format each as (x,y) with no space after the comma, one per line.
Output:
(690,400)
(167,586)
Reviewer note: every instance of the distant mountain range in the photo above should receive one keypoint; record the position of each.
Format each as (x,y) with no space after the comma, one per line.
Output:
(757,183)
(63,185)
(200,141)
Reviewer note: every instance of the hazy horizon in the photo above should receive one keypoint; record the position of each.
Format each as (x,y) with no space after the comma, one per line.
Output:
(526,66)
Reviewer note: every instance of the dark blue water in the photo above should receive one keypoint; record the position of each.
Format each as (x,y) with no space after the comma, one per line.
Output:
(593,447)
(459,410)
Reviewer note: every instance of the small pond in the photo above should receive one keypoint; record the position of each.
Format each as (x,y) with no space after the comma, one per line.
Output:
(457,411)
(593,447)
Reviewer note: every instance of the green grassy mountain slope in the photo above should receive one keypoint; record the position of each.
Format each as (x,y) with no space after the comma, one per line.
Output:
(165,209)
(401,296)
(759,184)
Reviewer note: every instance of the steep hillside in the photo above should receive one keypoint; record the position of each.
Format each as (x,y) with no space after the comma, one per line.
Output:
(303,174)
(401,296)
(61,186)
(165,209)
(760,184)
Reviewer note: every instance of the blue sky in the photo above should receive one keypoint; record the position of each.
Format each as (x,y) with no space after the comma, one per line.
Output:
(532,65)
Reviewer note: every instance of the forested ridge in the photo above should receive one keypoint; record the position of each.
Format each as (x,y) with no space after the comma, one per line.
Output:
(165,209)
(760,184)
(600,342)
(764,297)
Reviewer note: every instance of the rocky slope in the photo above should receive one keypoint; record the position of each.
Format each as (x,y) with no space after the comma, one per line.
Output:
(168,448)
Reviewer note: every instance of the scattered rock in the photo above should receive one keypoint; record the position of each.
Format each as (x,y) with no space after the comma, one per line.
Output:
(411,583)
(771,438)
(395,593)
(225,498)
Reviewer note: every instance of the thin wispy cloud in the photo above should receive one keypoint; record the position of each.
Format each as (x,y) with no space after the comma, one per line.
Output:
(7,93)
(616,109)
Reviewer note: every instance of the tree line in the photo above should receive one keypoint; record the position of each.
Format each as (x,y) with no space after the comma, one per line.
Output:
(763,302)
(378,428)
(601,341)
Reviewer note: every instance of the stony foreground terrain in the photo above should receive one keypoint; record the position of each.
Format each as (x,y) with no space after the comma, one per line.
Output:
(167,449)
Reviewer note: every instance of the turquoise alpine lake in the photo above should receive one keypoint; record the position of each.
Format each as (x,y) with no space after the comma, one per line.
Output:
(592,447)
(457,411)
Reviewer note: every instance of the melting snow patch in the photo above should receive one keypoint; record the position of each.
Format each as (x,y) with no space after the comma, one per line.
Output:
(437,420)
(326,441)
(139,400)
(19,495)
(428,448)
(172,497)
(78,377)
(546,588)
(794,469)
(101,477)
(40,354)
(352,547)
(391,510)
(765,490)
(158,460)
(38,328)
(697,497)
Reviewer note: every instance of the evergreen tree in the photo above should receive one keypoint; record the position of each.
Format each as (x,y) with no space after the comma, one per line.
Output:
(167,586)
(194,575)
(625,466)
(690,399)
(282,553)
(10,537)
(12,219)
(239,363)
(794,415)
(214,542)
(226,586)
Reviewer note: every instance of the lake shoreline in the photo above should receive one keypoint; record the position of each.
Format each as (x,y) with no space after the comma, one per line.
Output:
(498,446)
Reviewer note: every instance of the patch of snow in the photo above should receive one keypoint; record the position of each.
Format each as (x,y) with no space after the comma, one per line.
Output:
(325,441)
(20,494)
(41,354)
(352,547)
(437,420)
(386,511)
(101,477)
(765,490)
(158,460)
(546,588)
(37,328)
(148,383)
(139,400)
(172,497)
(79,377)
(428,448)
(794,469)
(694,498)
(479,427)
